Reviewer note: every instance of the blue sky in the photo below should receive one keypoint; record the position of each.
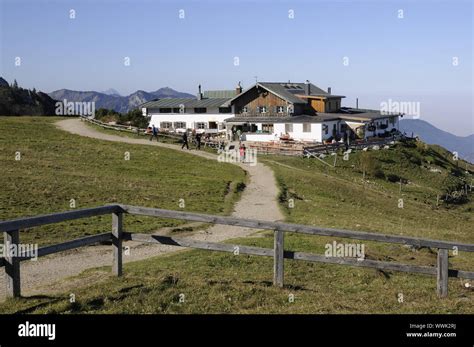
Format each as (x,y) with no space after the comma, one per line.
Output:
(409,59)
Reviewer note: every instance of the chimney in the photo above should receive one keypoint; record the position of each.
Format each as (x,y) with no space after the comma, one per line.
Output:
(199,95)
(329,90)
(307,88)
(357,103)
(238,90)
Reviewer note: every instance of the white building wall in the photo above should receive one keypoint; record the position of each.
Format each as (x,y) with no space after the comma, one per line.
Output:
(313,135)
(317,131)
(261,137)
(296,134)
(189,118)
(279,129)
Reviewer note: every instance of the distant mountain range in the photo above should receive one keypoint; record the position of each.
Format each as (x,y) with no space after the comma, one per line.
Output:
(428,133)
(111,91)
(111,99)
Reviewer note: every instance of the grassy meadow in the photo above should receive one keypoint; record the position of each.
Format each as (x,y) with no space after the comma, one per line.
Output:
(56,166)
(312,193)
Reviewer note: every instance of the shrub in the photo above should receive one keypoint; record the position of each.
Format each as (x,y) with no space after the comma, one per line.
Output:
(455,171)
(378,173)
(393,178)
(368,163)
(415,160)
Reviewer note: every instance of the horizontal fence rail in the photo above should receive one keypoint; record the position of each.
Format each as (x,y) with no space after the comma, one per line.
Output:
(117,235)
(128,128)
(29,222)
(298,228)
(268,252)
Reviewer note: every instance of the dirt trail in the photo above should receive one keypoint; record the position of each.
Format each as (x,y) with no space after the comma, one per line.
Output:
(259,201)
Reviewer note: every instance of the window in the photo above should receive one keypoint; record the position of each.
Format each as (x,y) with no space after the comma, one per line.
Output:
(326,129)
(200,110)
(224,110)
(280,109)
(267,128)
(177,110)
(165,125)
(262,109)
(200,125)
(245,109)
(306,127)
(288,128)
(180,125)
(165,110)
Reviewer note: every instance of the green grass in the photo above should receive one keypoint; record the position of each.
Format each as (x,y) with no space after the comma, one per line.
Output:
(56,167)
(339,197)
(223,283)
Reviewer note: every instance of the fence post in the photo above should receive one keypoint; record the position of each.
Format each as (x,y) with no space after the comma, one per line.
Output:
(117,243)
(442,273)
(12,265)
(278,259)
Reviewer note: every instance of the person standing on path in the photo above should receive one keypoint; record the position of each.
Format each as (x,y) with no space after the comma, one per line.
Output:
(185,140)
(198,141)
(345,139)
(154,133)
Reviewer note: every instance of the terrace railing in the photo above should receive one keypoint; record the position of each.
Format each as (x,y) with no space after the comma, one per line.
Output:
(11,230)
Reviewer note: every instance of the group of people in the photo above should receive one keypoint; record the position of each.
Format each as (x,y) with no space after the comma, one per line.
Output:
(196,137)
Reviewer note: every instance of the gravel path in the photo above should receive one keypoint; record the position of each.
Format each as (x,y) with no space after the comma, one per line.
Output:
(259,200)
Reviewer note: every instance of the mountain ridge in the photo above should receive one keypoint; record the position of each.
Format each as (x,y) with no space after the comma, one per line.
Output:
(117,102)
(427,132)
(17,101)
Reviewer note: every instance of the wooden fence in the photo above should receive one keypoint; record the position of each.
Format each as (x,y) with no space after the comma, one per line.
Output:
(11,229)
(128,128)
(142,132)
(312,151)
(277,148)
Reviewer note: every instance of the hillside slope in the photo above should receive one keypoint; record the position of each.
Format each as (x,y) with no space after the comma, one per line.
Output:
(312,193)
(16,101)
(432,135)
